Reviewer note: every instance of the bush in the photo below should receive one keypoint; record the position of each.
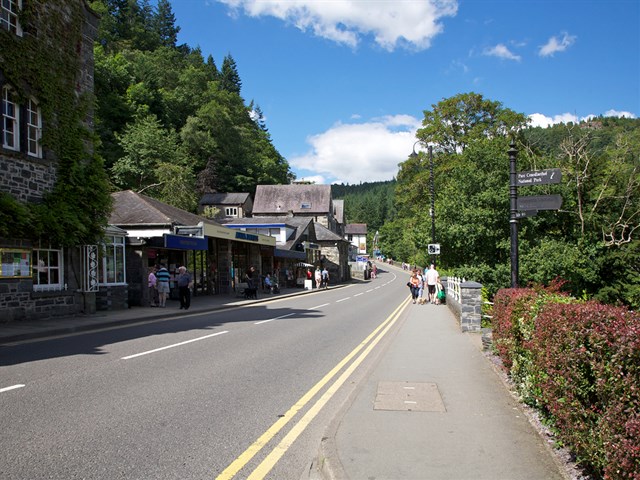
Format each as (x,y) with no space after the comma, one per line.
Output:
(580,364)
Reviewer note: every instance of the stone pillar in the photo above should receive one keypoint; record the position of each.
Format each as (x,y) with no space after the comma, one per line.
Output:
(471,306)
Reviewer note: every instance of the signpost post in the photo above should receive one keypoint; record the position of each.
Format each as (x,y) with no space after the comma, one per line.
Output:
(530,205)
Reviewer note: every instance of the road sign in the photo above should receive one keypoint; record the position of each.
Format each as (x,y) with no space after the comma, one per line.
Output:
(538,177)
(539,202)
(434,249)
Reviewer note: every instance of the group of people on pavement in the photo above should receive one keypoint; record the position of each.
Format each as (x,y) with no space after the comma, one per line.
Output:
(158,282)
(428,280)
(321,277)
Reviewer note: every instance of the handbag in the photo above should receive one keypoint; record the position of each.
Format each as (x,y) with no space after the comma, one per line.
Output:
(409,284)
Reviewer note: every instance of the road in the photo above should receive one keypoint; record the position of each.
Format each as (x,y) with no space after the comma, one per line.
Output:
(240,393)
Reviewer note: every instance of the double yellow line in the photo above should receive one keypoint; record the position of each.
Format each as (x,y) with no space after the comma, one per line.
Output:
(272,458)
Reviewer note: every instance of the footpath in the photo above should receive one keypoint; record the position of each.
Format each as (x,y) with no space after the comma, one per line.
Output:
(432,407)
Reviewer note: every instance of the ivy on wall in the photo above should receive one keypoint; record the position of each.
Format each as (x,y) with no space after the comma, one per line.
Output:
(46,63)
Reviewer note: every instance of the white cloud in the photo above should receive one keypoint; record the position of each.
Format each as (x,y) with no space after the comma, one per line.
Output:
(557,45)
(540,120)
(359,152)
(500,51)
(392,24)
(615,113)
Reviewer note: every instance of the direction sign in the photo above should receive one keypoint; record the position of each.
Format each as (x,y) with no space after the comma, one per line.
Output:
(539,202)
(538,177)
(434,249)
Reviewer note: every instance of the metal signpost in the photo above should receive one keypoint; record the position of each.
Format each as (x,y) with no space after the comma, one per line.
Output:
(530,205)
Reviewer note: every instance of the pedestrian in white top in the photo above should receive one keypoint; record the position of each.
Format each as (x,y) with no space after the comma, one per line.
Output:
(432,279)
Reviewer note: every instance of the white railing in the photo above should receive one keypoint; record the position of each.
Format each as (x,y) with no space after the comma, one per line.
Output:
(453,287)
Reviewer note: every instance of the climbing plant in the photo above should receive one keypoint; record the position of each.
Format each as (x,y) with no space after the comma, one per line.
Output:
(46,63)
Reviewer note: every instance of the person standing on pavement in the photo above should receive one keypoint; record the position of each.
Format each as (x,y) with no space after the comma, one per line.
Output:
(432,280)
(325,278)
(318,275)
(153,288)
(185,282)
(163,277)
(414,285)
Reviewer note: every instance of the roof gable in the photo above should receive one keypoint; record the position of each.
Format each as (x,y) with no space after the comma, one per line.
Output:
(299,199)
(356,229)
(131,208)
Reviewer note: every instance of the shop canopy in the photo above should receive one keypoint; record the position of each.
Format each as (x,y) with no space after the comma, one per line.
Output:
(303,264)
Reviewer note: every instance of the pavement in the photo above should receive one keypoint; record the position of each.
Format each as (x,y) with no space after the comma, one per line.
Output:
(431,405)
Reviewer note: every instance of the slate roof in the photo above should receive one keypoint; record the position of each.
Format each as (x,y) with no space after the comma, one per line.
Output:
(323,234)
(355,229)
(280,199)
(224,198)
(131,208)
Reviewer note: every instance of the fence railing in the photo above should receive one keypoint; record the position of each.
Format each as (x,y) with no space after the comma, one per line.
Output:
(453,287)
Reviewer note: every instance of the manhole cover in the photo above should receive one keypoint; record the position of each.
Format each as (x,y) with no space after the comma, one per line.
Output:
(409,396)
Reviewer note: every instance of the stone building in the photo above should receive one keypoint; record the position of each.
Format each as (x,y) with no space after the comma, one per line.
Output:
(39,278)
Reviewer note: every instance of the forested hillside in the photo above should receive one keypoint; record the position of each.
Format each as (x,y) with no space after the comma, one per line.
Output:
(591,242)
(172,124)
(371,203)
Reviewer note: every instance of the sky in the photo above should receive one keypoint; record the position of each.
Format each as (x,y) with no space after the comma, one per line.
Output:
(343,84)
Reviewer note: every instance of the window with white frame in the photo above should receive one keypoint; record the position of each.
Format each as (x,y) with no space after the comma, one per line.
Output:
(111,266)
(34,129)
(47,269)
(10,120)
(9,16)
(231,211)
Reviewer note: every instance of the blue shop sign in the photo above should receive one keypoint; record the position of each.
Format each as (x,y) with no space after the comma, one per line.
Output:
(247,236)
(182,242)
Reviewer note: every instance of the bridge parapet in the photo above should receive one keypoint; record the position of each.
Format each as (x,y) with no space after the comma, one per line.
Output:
(464,299)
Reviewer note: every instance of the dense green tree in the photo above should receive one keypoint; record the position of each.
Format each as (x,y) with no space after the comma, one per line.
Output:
(154,96)
(229,77)
(164,24)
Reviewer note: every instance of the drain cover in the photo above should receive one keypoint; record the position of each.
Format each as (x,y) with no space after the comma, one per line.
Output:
(409,396)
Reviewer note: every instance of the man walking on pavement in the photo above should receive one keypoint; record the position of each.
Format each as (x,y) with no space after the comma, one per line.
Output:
(184,285)
(432,280)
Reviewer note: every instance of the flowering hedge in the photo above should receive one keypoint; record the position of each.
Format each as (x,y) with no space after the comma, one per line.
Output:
(579,363)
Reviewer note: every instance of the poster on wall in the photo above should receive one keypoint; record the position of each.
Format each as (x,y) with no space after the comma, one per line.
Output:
(15,263)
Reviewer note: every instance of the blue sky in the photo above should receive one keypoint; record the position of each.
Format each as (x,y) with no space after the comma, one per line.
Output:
(343,83)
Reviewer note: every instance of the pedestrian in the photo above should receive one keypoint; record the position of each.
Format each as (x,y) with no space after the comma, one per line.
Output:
(414,285)
(318,275)
(185,282)
(325,278)
(153,287)
(163,277)
(267,283)
(422,278)
(432,280)
(440,294)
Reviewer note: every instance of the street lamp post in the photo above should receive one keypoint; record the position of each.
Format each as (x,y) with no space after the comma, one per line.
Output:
(432,210)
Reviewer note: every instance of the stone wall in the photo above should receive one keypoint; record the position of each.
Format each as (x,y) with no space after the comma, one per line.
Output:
(25,179)
(468,310)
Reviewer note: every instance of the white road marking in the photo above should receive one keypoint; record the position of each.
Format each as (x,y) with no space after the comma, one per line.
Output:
(276,318)
(358,294)
(12,387)
(174,345)
(342,299)
(369,291)
(319,306)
